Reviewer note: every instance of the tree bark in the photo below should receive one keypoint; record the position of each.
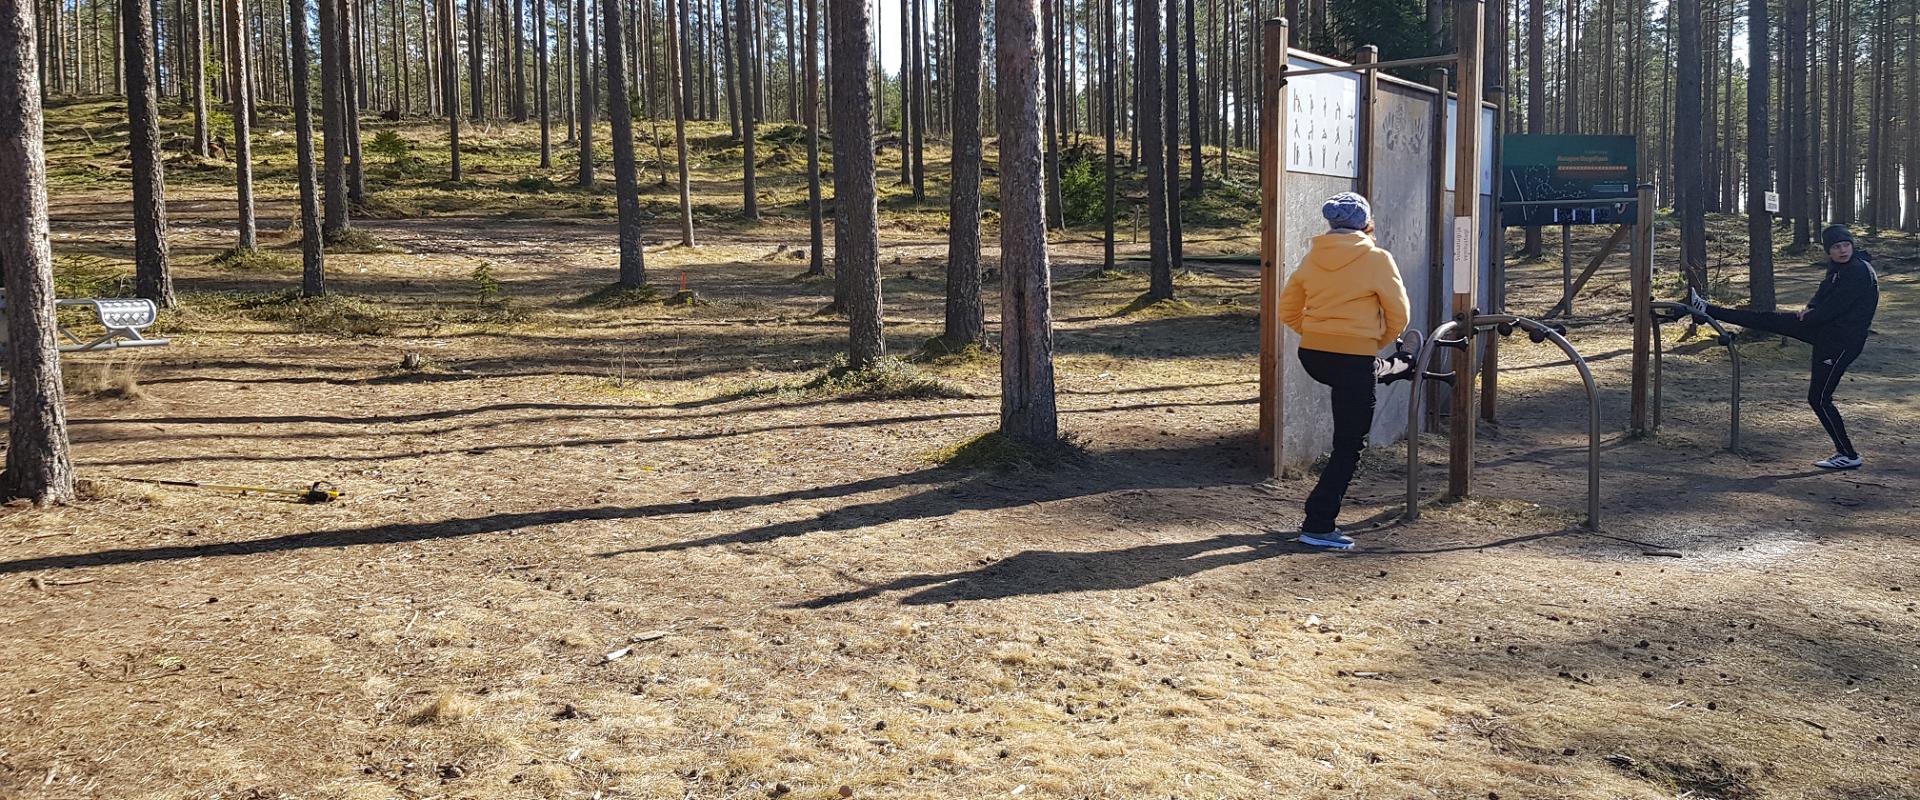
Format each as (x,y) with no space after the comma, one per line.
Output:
(743,17)
(585,103)
(919,86)
(476,82)
(856,231)
(1027,410)
(351,106)
(153,279)
(1689,173)
(242,133)
(1176,247)
(633,267)
(198,71)
(313,280)
(1050,149)
(333,123)
(450,89)
(1196,174)
(39,465)
(966,315)
(1151,119)
(675,18)
(540,89)
(1109,85)
(816,260)
(1759,171)
(1796,31)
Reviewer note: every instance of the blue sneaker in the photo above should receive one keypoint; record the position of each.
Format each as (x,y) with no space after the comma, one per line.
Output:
(1332,540)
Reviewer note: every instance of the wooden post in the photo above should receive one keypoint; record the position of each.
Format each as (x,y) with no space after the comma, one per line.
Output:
(1369,105)
(1437,235)
(1470,22)
(1641,284)
(1497,265)
(1566,267)
(1273,170)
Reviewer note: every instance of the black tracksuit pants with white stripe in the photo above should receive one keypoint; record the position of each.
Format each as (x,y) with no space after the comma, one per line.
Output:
(1830,362)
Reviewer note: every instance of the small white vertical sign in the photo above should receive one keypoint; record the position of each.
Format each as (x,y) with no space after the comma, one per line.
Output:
(1463,255)
(1773,202)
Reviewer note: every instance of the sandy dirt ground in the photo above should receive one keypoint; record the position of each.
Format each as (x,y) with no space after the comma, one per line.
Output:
(615,552)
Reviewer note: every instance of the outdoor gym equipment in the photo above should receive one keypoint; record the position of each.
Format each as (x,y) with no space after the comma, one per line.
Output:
(1665,312)
(1451,334)
(122,318)
(1365,109)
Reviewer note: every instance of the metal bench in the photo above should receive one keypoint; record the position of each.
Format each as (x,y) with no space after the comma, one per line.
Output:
(123,319)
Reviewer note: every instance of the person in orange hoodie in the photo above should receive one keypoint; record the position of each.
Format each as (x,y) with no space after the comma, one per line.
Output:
(1347,303)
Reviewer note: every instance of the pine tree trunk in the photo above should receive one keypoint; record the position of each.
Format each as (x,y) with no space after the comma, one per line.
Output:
(856,231)
(919,85)
(313,281)
(744,16)
(1797,101)
(333,123)
(198,76)
(450,85)
(584,105)
(1056,210)
(351,105)
(542,79)
(39,466)
(519,62)
(1689,175)
(1109,87)
(1176,245)
(1759,170)
(1196,175)
(1027,410)
(816,260)
(676,20)
(1536,95)
(626,179)
(242,133)
(1152,116)
(153,278)
(966,320)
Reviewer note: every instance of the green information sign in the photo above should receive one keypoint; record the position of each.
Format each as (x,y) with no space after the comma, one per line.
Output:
(1554,179)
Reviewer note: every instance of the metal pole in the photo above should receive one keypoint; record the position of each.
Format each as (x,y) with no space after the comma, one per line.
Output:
(1470,22)
(1421,364)
(1273,136)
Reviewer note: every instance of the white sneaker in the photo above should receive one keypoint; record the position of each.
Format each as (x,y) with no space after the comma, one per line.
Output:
(1696,304)
(1838,461)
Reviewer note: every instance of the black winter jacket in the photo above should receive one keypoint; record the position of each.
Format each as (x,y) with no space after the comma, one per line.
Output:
(1842,310)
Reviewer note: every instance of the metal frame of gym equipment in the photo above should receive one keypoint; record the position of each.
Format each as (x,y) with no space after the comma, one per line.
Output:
(1449,334)
(1723,336)
(1469,29)
(123,319)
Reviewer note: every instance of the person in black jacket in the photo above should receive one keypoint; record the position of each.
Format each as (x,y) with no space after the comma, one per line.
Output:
(1836,322)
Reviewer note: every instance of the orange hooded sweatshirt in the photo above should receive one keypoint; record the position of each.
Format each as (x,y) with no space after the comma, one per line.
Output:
(1346,297)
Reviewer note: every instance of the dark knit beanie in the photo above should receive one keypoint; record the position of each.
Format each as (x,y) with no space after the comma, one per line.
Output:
(1835,234)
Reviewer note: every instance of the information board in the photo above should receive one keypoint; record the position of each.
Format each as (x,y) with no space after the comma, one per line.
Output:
(1558,179)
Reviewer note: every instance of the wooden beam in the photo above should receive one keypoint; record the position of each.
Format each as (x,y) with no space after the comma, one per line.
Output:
(1641,285)
(1273,125)
(1369,105)
(1470,22)
(1613,243)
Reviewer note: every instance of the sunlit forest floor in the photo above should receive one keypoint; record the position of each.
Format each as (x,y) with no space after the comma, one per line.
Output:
(594,545)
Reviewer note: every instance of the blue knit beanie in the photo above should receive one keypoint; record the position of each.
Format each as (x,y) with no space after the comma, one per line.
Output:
(1347,210)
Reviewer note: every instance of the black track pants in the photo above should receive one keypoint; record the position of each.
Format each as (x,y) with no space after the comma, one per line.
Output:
(1351,378)
(1830,362)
